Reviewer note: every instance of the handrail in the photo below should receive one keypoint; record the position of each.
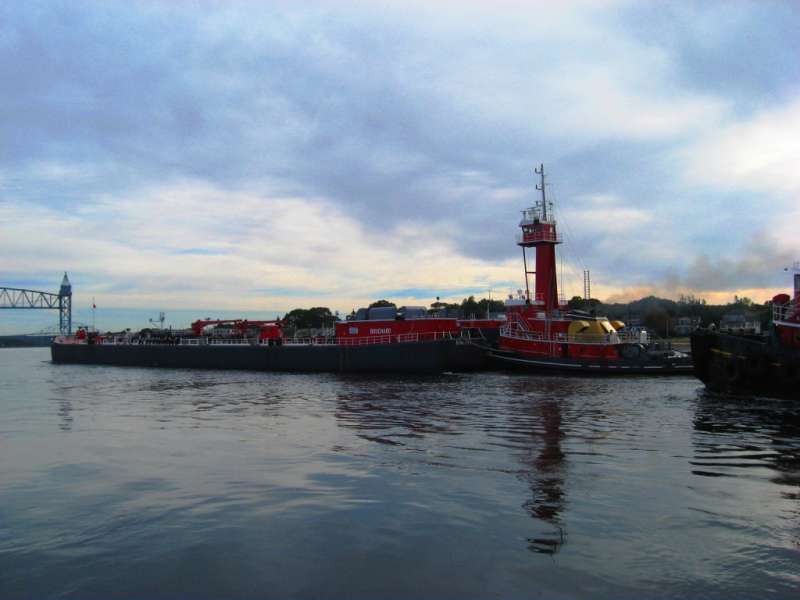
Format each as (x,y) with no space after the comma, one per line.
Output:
(365,341)
(539,236)
(561,338)
(306,341)
(309,341)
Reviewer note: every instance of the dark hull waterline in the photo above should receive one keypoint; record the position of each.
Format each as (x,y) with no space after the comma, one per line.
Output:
(516,360)
(416,357)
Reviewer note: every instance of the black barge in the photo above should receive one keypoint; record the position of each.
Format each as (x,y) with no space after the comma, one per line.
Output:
(764,365)
(409,357)
(409,342)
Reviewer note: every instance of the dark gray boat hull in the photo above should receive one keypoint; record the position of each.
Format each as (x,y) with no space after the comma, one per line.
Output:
(515,360)
(416,357)
(746,364)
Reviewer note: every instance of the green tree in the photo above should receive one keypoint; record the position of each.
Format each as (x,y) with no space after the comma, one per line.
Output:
(443,308)
(578,303)
(575,303)
(470,307)
(486,306)
(382,303)
(309,318)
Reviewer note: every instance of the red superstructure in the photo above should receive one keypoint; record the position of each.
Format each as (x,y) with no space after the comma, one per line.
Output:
(261,330)
(539,231)
(540,324)
(786,314)
(387,331)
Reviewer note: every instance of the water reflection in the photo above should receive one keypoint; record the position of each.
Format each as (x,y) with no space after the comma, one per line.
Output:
(529,423)
(537,414)
(393,412)
(64,414)
(735,434)
(546,476)
(754,440)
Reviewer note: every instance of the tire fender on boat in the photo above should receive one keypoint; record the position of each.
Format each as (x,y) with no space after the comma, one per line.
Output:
(755,366)
(734,370)
(789,373)
(724,373)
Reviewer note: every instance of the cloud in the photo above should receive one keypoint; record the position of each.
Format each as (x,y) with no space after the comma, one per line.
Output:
(597,214)
(189,243)
(178,151)
(744,51)
(754,269)
(759,154)
(759,265)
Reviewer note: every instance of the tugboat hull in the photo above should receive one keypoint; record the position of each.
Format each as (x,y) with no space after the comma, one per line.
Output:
(746,365)
(666,366)
(413,357)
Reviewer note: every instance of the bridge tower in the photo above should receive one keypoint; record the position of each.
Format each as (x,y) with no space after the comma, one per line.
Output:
(65,306)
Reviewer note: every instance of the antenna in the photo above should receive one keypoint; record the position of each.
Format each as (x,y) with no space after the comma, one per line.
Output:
(160,320)
(587,285)
(540,186)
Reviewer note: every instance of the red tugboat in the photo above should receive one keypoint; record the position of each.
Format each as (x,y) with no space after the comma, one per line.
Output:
(767,365)
(542,333)
(378,340)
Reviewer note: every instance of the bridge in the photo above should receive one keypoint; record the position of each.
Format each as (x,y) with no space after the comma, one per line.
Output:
(28,299)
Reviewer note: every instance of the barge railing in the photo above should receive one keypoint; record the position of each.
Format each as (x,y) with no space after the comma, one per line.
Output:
(305,341)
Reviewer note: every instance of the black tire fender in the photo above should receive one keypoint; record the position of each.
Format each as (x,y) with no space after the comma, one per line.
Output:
(734,370)
(755,366)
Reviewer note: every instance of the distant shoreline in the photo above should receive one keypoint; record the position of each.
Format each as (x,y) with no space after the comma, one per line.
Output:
(26,340)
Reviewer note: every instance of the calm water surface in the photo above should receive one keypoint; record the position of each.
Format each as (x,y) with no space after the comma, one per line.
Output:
(136,483)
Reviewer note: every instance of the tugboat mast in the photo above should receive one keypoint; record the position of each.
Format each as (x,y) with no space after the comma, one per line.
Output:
(540,186)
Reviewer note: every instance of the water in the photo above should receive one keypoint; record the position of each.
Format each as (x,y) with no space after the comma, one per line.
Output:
(136,483)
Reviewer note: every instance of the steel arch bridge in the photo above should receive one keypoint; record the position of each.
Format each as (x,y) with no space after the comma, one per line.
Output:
(34,299)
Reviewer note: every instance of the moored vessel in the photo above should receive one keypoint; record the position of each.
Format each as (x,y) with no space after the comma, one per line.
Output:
(379,341)
(767,365)
(541,332)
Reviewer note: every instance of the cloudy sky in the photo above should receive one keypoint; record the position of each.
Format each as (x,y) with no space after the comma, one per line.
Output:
(262,155)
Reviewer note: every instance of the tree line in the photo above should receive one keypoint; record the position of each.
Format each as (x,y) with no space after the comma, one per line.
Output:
(651,311)
(321,317)
(656,313)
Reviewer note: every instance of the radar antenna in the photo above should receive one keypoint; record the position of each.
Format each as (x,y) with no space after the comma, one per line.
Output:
(540,186)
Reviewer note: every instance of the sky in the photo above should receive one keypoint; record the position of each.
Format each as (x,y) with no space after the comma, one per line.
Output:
(269,155)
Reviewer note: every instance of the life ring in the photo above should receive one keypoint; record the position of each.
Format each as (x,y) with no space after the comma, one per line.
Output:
(631,351)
